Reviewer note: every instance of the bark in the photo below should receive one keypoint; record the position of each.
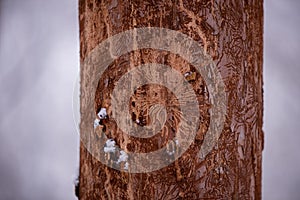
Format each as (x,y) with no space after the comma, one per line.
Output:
(230,31)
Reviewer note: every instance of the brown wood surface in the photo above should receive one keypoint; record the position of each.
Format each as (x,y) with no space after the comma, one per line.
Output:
(231,32)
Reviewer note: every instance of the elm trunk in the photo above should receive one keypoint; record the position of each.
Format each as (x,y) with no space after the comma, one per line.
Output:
(231,33)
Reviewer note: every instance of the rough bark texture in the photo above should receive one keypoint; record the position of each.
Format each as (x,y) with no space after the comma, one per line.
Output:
(230,31)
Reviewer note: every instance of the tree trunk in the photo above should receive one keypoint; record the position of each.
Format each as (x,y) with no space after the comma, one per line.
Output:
(226,166)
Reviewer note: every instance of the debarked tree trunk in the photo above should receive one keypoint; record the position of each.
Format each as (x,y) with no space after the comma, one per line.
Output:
(225,37)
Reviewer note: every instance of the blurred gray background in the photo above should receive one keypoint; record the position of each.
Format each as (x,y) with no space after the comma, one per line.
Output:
(39,63)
